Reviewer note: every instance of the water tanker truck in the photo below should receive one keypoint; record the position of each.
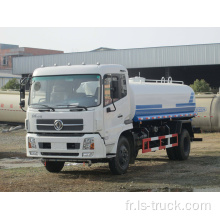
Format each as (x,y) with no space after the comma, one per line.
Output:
(95,113)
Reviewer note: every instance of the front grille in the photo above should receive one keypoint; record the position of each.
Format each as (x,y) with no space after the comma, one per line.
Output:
(60,134)
(73,146)
(68,124)
(60,154)
(44,145)
(69,146)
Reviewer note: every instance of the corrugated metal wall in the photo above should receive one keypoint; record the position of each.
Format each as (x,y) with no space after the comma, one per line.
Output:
(208,54)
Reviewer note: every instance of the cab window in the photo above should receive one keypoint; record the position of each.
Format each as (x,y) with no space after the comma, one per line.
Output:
(122,87)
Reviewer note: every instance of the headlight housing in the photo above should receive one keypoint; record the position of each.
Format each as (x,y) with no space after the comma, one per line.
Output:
(31,142)
(88,144)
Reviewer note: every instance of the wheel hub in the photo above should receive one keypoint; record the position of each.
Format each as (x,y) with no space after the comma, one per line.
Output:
(123,156)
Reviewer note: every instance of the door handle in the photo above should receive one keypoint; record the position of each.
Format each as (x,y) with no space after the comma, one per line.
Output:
(120,116)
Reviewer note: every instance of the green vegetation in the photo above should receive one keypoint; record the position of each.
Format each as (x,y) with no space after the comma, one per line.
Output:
(200,86)
(12,84)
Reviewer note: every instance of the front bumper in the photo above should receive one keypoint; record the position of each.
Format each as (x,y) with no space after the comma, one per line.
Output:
(59,147)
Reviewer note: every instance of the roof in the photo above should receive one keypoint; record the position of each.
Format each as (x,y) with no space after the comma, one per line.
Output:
(78,69)
(102,49)
(188,55)
(7,46)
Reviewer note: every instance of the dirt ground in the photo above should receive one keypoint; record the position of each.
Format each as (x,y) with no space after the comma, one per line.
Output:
(151,171)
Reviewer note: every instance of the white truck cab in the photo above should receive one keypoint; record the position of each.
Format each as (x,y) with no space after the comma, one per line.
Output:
(70,115)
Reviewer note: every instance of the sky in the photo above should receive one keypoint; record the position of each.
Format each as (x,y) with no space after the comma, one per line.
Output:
(75,26)
(78,39)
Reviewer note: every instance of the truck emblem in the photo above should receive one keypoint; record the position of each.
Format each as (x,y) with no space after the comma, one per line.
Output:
(58,125)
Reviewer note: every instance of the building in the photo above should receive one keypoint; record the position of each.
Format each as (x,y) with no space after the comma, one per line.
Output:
(9,51)
(183,63)
(6,75)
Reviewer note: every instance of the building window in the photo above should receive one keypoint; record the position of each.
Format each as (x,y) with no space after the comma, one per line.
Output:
(5,61)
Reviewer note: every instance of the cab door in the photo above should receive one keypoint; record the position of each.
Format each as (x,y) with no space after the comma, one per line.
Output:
(116,110)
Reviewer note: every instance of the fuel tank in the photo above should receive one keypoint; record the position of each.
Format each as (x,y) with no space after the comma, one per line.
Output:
(10,110)
(208,109)
(160,100)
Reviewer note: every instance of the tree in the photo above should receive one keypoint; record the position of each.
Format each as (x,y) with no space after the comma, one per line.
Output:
(12,84)
(200,86)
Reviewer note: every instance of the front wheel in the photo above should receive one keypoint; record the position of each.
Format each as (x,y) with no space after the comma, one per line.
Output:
(53,166)
(119,164)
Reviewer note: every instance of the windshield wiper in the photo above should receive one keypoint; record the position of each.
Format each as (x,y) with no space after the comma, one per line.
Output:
(47,106)
(75,106)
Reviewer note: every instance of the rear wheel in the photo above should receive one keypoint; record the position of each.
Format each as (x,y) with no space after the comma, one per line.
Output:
(181,152)
(171,153)
(119,164)
(53,166)
(183,149)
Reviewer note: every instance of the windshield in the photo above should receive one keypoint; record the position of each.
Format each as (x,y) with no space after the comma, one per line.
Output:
(68,90)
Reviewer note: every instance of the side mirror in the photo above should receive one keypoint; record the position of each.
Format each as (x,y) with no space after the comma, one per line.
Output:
(114,91)
(22,103)
(22,92)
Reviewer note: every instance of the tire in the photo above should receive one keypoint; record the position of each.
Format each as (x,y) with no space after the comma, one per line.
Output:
(171,153)
(136,153)
(54,167)
(181,152)
(119,164)
(183,148)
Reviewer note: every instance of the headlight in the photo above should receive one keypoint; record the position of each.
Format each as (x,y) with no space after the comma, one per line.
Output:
(88,144)
(31,142)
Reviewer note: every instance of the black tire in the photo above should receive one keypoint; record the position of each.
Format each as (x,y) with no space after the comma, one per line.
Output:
(183,148)
(181,152)
(136,153)
(171,153)
(53,166)
(120,163)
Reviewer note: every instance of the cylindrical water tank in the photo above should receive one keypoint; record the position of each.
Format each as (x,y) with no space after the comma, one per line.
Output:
(160,100)
(10,110)
(208,108)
